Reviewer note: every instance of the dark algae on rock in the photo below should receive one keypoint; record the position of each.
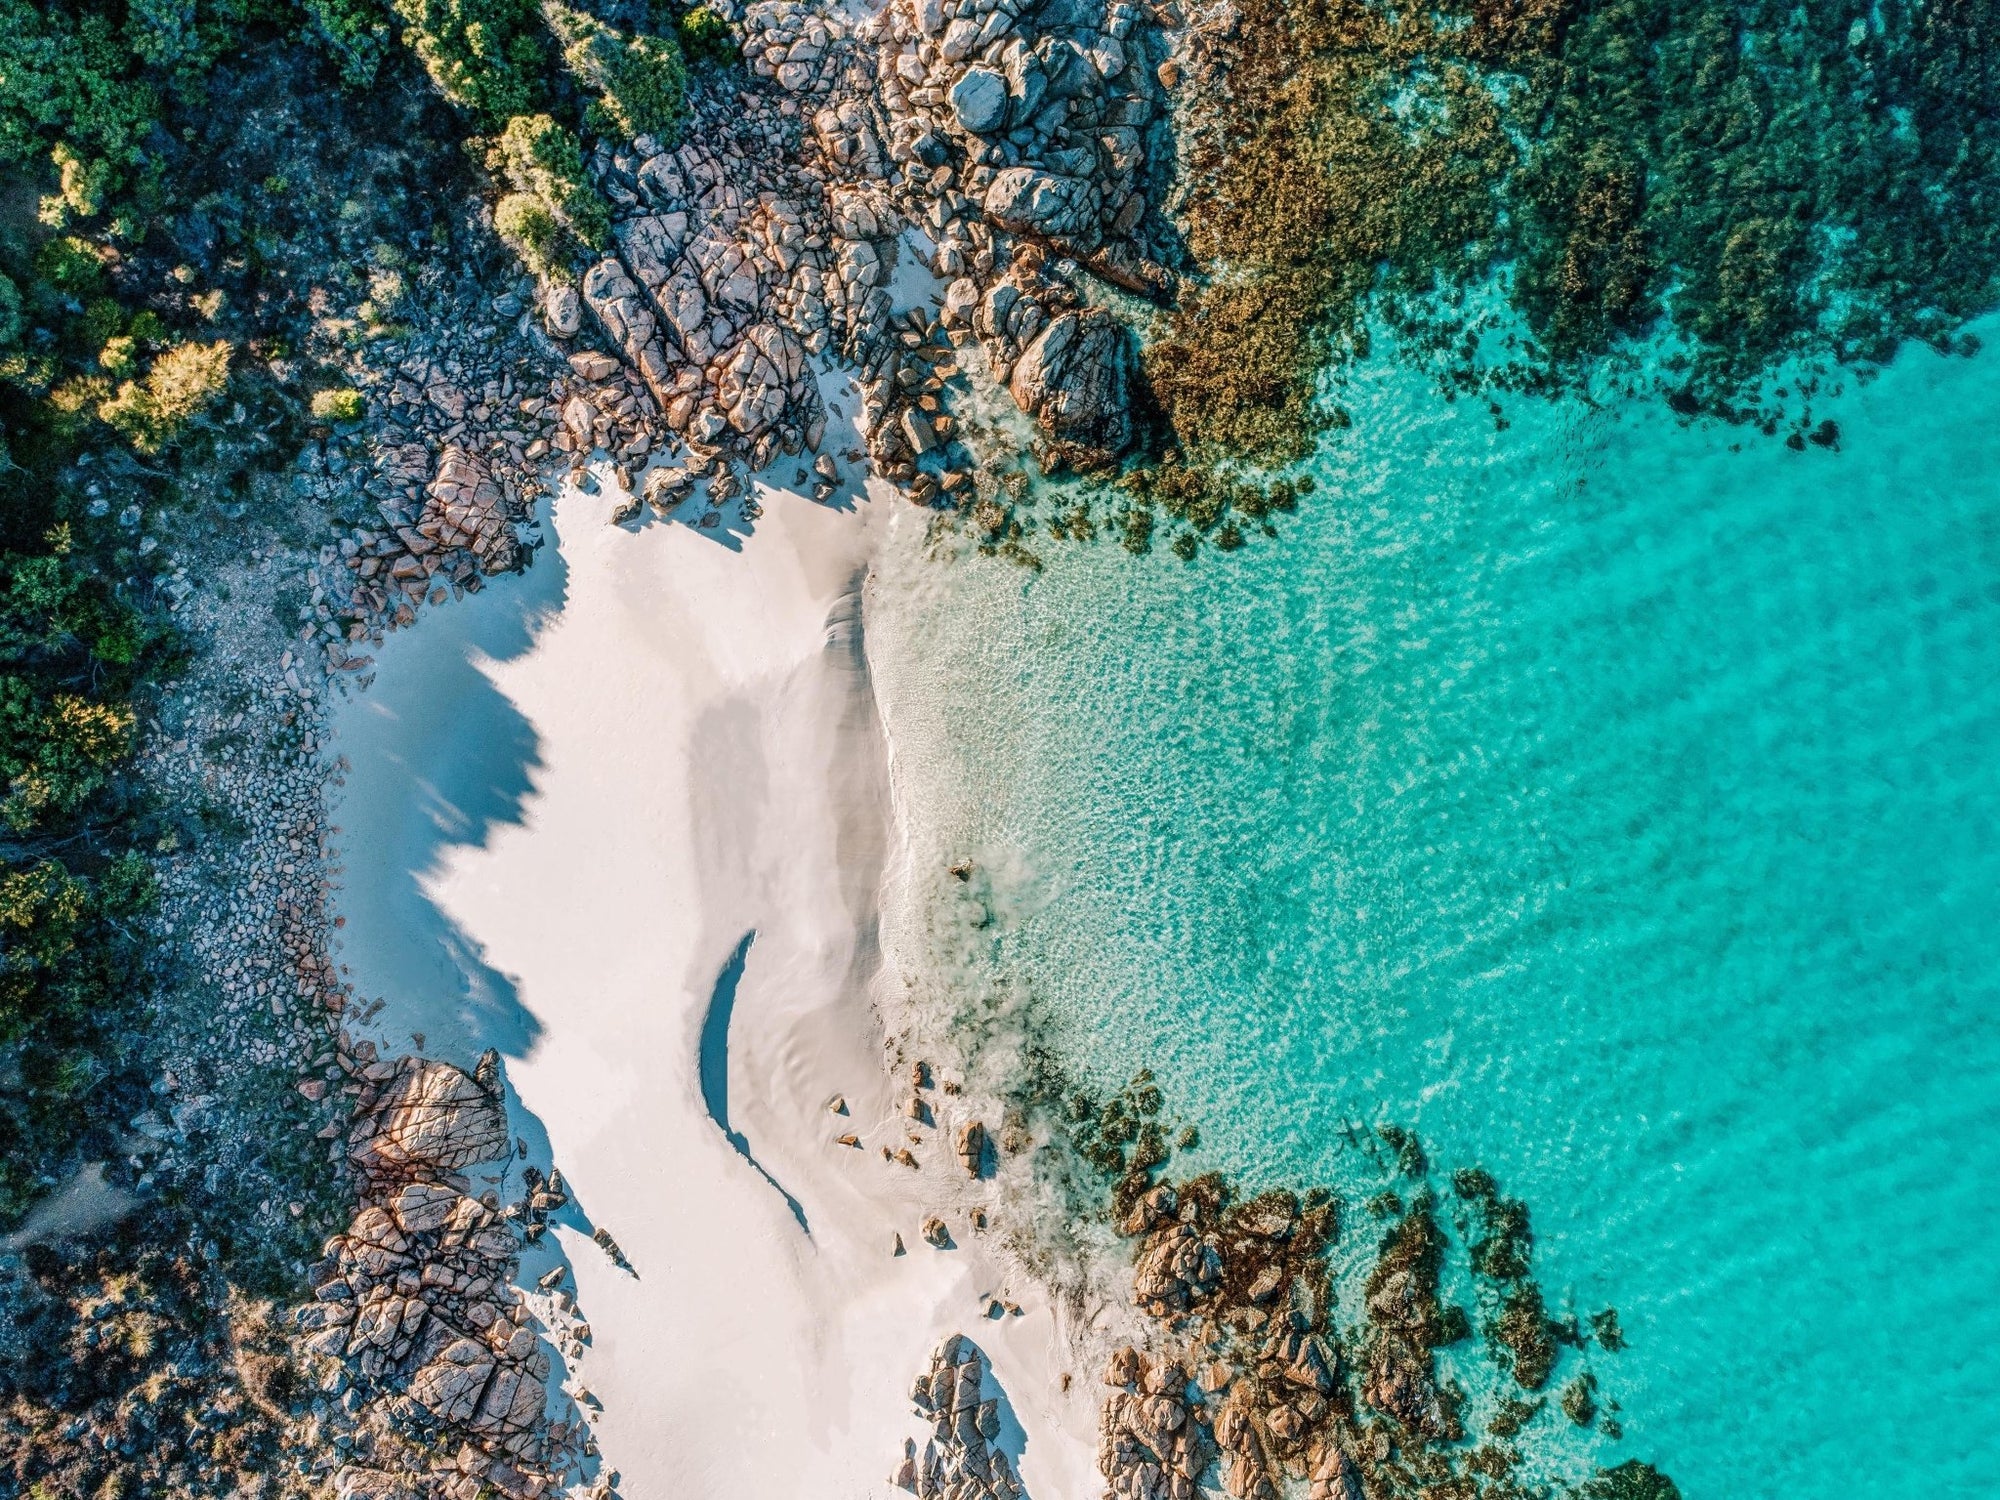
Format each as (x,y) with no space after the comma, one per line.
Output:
(1522,190)
(1296,1342)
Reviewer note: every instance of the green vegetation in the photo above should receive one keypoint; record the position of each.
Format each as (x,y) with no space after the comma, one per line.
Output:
(339,404)
(180,386)
(640,81)
(486,56)
(706,40)
(135,350)
(552,213)
(355,33)
(72,877)
(145,1379)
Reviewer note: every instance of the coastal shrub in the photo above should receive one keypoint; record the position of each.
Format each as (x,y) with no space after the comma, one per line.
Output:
(706,40)
(182,383)
(486,56)
(70,264)
(57,754)
(10,312)
(537,236)
(71,652)
(553,213)
(81,187)
(640,81)
(71,75)
(354,33)
(339,404)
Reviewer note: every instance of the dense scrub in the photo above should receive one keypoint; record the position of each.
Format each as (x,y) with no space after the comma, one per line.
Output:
(133,1372)
(73,877)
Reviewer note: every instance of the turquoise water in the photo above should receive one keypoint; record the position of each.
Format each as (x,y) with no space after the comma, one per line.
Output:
(1617,806)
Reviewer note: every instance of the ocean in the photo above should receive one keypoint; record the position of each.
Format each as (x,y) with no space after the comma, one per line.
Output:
(1613,799)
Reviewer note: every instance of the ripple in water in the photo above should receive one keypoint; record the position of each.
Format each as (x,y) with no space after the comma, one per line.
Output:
(1618,808)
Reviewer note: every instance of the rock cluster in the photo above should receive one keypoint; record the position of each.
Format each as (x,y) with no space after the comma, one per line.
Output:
(987,140)
(1152,1440)
(1241,1291)
(1243,1286)
(457,427)
(958,1460)
(429,1117)
(415,1303)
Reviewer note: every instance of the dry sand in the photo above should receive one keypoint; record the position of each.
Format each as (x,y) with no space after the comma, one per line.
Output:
(572,802)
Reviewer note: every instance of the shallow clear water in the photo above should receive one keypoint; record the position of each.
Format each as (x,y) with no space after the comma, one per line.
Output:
(1620,808)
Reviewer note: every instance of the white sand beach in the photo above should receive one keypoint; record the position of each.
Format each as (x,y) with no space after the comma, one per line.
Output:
(614,818)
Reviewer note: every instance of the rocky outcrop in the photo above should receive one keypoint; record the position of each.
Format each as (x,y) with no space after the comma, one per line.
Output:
(1251,1272)
(415,1306)
(431,1117)
(1048,205)
(992,143)
(464,511)
(958,1460)
(1152,1442)
(1074,380)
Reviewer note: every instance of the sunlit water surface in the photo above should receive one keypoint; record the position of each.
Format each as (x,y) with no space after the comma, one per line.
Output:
(1615,800)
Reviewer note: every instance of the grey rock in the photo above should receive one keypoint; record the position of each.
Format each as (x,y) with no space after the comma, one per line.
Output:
(562,311)
(979,101)
(1052,206)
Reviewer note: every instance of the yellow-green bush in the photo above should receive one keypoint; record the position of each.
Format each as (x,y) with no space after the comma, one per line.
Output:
(552,212)
(640,81)
(484,55)
(182,383)
(339,404)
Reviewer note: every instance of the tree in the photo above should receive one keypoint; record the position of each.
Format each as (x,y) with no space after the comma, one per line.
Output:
(552,212)
(484,55)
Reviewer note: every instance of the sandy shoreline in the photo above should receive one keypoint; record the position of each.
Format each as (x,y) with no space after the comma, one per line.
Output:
(571,803)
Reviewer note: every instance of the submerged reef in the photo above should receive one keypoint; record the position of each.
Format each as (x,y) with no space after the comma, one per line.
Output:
(1282,1356)
(1517,189)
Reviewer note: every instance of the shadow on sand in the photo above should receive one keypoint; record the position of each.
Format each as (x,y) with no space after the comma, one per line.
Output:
(715,1066)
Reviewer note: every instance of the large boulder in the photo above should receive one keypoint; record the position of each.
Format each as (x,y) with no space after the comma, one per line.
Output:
(618,304)
(451,1385)
(432,1117)
(1048,205)
(1075,381)
(464,508)
(979,101)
